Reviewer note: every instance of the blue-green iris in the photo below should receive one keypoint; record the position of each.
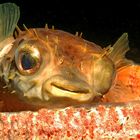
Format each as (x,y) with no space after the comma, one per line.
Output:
(28,61)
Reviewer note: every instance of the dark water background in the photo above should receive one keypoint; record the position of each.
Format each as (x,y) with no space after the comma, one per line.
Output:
(101,21)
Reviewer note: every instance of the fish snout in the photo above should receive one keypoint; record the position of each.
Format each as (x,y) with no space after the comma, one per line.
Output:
(62,87)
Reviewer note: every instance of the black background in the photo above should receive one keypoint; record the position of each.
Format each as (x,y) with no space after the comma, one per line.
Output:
(101,21)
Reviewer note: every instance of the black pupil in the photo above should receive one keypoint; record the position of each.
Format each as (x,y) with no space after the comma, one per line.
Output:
(27,61)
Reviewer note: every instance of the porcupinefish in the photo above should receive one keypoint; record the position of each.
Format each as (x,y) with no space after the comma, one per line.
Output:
(54,65)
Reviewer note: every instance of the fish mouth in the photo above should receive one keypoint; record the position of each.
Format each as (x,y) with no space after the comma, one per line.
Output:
(68,88)
(60,87)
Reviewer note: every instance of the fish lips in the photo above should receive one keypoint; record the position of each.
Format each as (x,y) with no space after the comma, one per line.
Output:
(62,87)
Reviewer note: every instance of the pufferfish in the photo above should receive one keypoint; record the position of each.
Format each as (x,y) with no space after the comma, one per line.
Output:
(53,65)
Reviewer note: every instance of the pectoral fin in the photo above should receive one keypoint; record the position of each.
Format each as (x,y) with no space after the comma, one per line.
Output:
(119,50)
(9,16)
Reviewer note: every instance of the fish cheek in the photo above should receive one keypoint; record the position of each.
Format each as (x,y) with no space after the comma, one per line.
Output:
(103,75)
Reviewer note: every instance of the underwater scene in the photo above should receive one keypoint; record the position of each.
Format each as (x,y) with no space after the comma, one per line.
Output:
(58,57)
(69,70)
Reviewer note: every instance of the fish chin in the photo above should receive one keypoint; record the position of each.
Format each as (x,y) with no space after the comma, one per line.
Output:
(29,90)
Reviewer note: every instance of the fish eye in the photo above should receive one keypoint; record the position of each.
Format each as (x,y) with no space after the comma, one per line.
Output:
(28,59)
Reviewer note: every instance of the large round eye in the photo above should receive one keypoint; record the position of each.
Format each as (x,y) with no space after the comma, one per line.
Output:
(28,59)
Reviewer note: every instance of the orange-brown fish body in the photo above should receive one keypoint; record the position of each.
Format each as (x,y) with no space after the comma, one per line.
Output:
(69,62)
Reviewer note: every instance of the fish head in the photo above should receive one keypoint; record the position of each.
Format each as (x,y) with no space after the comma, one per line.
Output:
(52,64)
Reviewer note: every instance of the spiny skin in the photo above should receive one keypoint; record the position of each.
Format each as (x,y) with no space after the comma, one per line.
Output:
(65,66)
(71,71)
